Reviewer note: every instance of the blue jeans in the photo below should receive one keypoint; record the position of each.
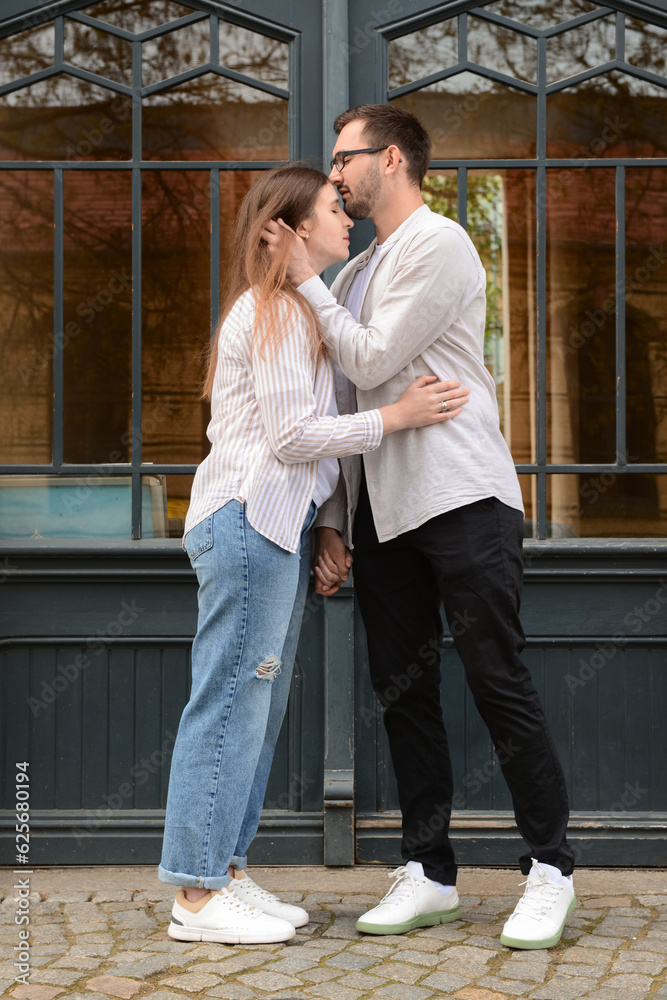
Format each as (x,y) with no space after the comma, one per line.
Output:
(251,600)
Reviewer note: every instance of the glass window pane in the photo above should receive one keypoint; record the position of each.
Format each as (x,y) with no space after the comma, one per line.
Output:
(175,314)
(608,505)
(470,117)
(580,49)
(528,485)
(519,313)
(138,15)
(98,316)
(65,119)
(541,13)
(501,49)
(581,365)
(485,226)
(94,506)
(646,45)
(176,52)
(212,118)
(26,305)
(487,229)
(178,500)
(177,306)
(266,59)
(646,308)
(440,192)
(26,53)
(412,57)
(100,53)
(500,210)
(611,115)
(234,185)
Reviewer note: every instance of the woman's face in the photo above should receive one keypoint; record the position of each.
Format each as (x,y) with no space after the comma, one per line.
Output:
(326,232)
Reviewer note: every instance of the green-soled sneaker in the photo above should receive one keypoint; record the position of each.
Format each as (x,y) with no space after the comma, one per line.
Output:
(411,902)
(539,916)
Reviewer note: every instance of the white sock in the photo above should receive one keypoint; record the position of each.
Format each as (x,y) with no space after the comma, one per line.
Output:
(417,868)
(555,874)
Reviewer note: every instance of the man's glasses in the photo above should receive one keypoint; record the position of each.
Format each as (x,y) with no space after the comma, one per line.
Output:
(343,155)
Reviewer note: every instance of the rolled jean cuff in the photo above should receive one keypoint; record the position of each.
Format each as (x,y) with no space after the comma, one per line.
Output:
(179,878)
(240,864)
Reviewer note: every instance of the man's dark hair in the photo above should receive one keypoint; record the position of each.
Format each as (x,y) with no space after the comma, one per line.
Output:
(389,125)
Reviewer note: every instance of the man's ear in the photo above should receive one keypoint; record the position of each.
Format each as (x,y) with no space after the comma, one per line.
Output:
(394,158)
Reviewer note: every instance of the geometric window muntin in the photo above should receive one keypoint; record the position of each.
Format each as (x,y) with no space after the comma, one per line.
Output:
(541,14)
(139,15)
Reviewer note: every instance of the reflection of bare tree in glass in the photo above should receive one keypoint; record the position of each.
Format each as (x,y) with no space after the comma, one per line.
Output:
(240,49)
(138,15)
(26,307)
(540,13)
(495,47)
(414,56)
(255,55)
(211,118)
(98,300)
(645,45)
(98,52)
(65,112)
(646,224)
(64,118)
(502,49)
(611,112)
(23,54)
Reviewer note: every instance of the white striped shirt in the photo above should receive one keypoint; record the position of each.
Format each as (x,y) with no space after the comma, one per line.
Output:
(269,427)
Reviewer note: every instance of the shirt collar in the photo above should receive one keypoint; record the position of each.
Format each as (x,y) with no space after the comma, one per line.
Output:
(404,227)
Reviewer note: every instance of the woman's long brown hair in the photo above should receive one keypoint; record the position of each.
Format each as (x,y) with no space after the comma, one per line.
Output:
(287,193)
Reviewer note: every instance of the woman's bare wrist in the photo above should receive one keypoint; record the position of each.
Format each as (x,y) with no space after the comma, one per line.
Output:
(391,418)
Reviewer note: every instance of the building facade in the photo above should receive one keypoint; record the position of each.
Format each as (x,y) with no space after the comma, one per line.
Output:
(130,130)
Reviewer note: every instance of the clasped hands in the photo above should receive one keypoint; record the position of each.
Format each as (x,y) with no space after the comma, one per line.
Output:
(332,561)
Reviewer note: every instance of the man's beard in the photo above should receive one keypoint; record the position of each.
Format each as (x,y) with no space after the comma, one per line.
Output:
(361,204)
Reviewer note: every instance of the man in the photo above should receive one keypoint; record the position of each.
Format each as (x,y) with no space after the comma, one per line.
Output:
(438,517)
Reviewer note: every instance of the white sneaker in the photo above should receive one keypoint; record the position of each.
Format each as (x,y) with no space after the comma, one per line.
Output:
(411,902)
(225,918)
(250,892)
(540,914)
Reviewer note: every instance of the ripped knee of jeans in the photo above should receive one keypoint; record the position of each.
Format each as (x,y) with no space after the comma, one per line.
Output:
(268,668)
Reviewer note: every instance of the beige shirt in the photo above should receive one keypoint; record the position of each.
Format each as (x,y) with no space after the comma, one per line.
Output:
(270,426)
(423,313)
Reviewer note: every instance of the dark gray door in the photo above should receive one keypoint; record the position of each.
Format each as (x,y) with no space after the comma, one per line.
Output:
(129,134)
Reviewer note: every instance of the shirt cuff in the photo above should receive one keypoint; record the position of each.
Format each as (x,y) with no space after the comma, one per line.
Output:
(315,291)
(374,431)
(331,517)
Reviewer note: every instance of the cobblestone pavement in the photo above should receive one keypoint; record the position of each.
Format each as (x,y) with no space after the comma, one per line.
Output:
(99,943)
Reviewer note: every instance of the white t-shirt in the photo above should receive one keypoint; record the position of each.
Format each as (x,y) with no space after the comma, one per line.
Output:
(356,294)
(328,469)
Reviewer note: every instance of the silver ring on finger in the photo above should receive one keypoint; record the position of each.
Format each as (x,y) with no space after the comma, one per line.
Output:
(443,404)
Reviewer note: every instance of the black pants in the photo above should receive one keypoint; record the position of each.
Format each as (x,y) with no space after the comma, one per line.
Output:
(470,559)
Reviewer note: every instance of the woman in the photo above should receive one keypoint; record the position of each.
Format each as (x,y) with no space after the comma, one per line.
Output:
(274,438)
